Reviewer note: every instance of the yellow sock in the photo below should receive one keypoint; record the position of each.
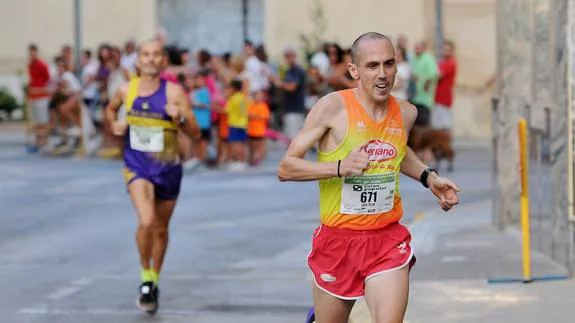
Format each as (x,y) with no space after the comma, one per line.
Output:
(155,276)
(147,275)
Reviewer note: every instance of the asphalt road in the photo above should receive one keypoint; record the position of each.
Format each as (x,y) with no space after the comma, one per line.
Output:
(237,252)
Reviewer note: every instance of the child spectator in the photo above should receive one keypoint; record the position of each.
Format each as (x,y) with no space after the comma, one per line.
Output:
(237,111)
(258,117)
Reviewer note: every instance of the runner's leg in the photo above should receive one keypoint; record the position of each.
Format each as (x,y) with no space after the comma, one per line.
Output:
(329,309)
(164,210)
(142,195)
(386,295)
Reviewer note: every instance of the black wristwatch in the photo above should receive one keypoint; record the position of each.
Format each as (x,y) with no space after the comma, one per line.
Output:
(425,175)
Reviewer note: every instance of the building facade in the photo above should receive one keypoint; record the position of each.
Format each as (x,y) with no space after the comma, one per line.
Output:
(50,25)
(218,25)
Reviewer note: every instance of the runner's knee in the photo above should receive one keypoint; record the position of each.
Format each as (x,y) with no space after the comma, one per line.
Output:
(160,231)
(147,223)
(153,224)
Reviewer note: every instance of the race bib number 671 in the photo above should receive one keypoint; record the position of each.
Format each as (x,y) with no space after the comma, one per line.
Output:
(367,194)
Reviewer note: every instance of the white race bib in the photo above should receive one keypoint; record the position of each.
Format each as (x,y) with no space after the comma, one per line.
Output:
(367,194)
(147,139)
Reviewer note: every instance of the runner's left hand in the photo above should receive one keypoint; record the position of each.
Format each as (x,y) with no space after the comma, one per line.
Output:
(446,191)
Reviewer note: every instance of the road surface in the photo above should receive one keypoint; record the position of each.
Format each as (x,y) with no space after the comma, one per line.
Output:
(237,252)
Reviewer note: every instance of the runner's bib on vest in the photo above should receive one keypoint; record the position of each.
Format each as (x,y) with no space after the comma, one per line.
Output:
(147,139)
(367,194)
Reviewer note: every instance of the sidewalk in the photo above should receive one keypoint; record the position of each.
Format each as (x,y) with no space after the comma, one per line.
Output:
(457,252)
(13,132)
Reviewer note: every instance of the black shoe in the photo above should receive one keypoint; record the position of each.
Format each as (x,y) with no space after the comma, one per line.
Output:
(148,301)
(156,293)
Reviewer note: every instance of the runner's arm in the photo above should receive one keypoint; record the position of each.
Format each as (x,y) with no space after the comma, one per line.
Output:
(293,166)
(115,104)
(411,165)
(178,97)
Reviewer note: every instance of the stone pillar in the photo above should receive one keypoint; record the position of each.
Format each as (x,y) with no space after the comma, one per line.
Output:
(541,54)
(561,56)
(570,151)
(515,92)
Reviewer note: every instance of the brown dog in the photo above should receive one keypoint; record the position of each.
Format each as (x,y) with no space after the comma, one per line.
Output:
(438,140)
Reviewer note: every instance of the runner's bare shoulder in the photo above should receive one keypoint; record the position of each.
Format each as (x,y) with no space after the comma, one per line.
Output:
(174,90)
(327,108)
(408,113)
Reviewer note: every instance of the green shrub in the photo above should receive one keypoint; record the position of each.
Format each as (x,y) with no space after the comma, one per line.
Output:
(7,102)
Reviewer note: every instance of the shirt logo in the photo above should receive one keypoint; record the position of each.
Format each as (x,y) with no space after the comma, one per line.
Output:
(380,150)
(361,125)
(145,106)
(393,130)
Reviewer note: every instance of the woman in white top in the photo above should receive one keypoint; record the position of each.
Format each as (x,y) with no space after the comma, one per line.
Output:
(118,76)
(403,75)
(65,102)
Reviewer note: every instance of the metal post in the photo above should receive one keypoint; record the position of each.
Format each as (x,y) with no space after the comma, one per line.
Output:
(539,200)
(497,217)
(78,35)
(245,19)
(439,28)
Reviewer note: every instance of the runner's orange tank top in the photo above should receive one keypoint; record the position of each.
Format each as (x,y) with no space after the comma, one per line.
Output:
(370,201)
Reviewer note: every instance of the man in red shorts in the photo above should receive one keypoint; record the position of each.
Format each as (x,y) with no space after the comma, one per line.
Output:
(360,248)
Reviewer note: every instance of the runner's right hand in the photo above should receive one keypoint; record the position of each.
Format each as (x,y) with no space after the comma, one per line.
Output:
(356,162)
(119,128)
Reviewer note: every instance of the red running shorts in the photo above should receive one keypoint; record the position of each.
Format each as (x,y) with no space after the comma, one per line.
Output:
(342,260)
